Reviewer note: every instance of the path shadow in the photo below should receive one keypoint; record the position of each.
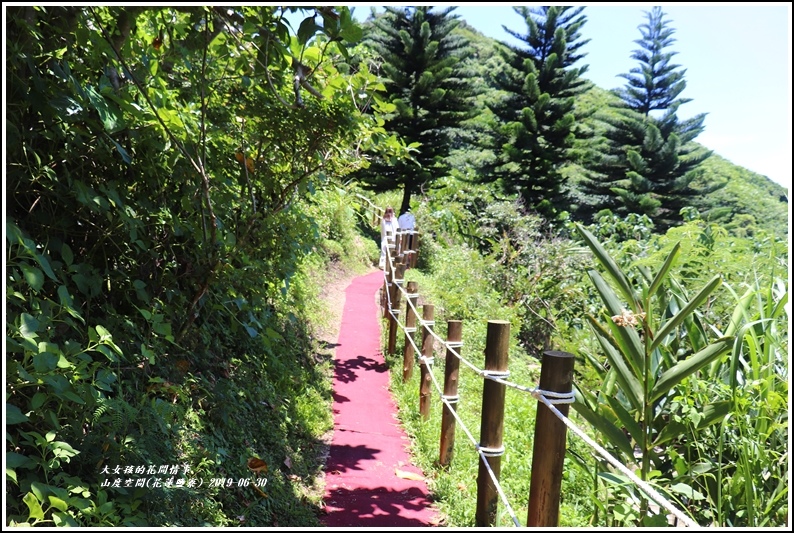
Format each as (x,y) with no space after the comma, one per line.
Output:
(338,398)
(347,371)
(376,507)
(343,457)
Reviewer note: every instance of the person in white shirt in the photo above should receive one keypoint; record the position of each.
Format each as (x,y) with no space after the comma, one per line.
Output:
(388,234)
(407,220)
(407,223)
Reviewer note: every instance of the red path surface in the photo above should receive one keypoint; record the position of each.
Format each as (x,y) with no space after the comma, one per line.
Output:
(368,447)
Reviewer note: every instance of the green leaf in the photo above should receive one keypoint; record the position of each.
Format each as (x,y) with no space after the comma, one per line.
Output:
(33,276)
(66,253)
(109,114)
(626,337)
(34,506)
(69,395)
(625,417)
(14,415)
(38,400)
(307,30)
(17,460)
(611,267)
(44,362)
(673,376)
(125,156)
(28,326)
(609,430)
(662,274)
(688,309)
(64,296)
(104,350)
(686,490)
(162,328)
(63,520)
(628,380)
(58,503)
(351,33)
(711,414)
(103,332)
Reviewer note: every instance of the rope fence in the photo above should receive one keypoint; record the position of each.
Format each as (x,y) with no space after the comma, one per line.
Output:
(538,514)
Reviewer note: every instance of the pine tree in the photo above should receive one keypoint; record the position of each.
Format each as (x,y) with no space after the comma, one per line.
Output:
(421,61)
(536,124)
(650,161)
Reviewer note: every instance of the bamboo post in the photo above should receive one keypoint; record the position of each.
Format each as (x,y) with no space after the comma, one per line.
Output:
(427,352)
(556,375)
(410,328)
(497,341)
(396,293)
(451,368)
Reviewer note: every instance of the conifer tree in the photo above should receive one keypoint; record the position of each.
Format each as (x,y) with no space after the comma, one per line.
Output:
(536,124)
(650,161)
(421,61)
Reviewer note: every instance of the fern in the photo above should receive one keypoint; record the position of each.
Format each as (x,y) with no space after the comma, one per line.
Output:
(115,412)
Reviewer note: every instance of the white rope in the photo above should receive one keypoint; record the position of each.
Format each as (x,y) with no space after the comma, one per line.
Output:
(477,447)
(548,398)
(449,401)
(491,452)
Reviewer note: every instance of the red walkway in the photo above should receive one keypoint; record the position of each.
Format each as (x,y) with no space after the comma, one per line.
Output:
(362,487)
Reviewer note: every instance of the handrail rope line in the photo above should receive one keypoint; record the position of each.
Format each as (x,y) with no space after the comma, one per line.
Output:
(549,398)
(448,401)
(481,451)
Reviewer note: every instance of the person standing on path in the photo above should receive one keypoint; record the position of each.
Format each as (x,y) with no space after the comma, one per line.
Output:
(407,223)
(388,234)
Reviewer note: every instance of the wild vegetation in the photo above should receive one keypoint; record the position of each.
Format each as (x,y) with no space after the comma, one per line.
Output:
(179,180)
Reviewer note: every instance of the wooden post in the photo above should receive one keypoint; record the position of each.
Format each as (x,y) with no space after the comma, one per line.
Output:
(556,375)
(387,282)
(451,368)
(410,328)
(415,248)
(405,236)
(427,351)
(497,342)
(396,293)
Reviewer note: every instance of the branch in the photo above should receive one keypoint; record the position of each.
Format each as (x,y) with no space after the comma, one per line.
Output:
(197,165)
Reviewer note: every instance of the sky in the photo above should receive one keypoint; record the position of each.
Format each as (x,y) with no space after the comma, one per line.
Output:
(737,59)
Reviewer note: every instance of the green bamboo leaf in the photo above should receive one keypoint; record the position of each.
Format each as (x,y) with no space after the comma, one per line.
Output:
(609,430)
(625,417)
(780,306)
(628,381)
(712,414)
(662,274)
(594,363)
(611,267)
(688,309)
(672,429)
(628,340)
(673,376)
